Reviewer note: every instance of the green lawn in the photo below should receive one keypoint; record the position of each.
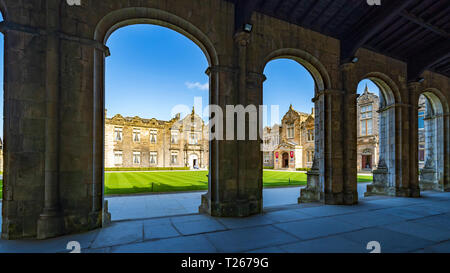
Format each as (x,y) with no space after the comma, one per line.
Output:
(146,182)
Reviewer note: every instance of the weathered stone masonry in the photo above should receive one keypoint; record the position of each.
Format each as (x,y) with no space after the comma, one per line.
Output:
(54,109)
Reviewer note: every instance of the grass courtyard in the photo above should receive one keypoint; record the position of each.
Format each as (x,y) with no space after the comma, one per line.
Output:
(147,182)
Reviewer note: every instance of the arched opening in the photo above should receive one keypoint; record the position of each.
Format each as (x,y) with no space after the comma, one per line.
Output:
(149,137)
(376,120)
(368,128)
(431,137)
(291,145)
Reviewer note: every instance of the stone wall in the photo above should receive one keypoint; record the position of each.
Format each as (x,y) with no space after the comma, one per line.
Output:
(54,108)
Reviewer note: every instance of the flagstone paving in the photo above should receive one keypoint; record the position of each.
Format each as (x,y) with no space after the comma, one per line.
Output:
(399,224)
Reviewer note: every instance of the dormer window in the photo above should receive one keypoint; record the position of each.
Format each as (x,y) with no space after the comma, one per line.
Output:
(290,131)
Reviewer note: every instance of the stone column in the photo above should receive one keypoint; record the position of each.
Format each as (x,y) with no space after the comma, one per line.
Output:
(350,138)
(382,179)
(446,148)
(326,177)
(392,176)
(413,157)
(50,223)
(235,181)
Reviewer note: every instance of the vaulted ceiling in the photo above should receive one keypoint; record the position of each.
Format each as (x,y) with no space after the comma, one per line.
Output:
(413,31)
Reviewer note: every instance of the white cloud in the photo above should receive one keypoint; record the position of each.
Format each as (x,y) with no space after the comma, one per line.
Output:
(197,85)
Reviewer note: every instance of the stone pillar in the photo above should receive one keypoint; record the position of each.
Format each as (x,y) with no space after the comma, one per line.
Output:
(235,181)
(392,176)
(328,151)
(50,223)
(446,148)
(413,156)
(384,175)
(350,135)
(314,189)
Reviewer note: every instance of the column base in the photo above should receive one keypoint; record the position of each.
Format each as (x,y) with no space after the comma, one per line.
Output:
(310,195)
(376,189)
(106,217)
(50,225)
(341,198)
(238,208)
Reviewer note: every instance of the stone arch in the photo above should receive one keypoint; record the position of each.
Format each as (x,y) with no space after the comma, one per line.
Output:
(437,100)
(323,88)
(435,174)
(387,86)
(142,15)
(105,27)
(307,60)
(389,156)
(3,10)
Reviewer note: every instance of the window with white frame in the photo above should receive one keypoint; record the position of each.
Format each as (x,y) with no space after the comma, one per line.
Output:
(136,135)
(266,157)
(193,139)
(136,157)
(118,157)
(153,158)
(366,120)
(174,158)
(118,133)
(153,136)
(290,131)
(174,137)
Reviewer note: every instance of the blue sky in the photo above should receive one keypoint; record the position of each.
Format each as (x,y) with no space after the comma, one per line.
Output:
(152,69)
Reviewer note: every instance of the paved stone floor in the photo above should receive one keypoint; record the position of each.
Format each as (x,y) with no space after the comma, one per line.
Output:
(158,205)
(398,224)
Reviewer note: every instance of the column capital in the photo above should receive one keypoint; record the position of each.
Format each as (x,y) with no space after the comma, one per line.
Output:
(327,92)
(395,105)
(347,66)
(220,68)
(414,86)
(242,38)
(256,75)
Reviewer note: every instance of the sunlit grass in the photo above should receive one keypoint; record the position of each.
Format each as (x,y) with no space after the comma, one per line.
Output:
(147,182)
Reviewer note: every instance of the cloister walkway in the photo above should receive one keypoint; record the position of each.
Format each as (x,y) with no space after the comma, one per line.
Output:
(398,224)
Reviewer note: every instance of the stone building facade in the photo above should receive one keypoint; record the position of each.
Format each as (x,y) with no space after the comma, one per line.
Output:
(271,139)
(295,146)
(296,134)
(134,142)
(368,131)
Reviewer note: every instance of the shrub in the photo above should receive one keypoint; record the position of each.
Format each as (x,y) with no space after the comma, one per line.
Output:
(268,168)
(304,169)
